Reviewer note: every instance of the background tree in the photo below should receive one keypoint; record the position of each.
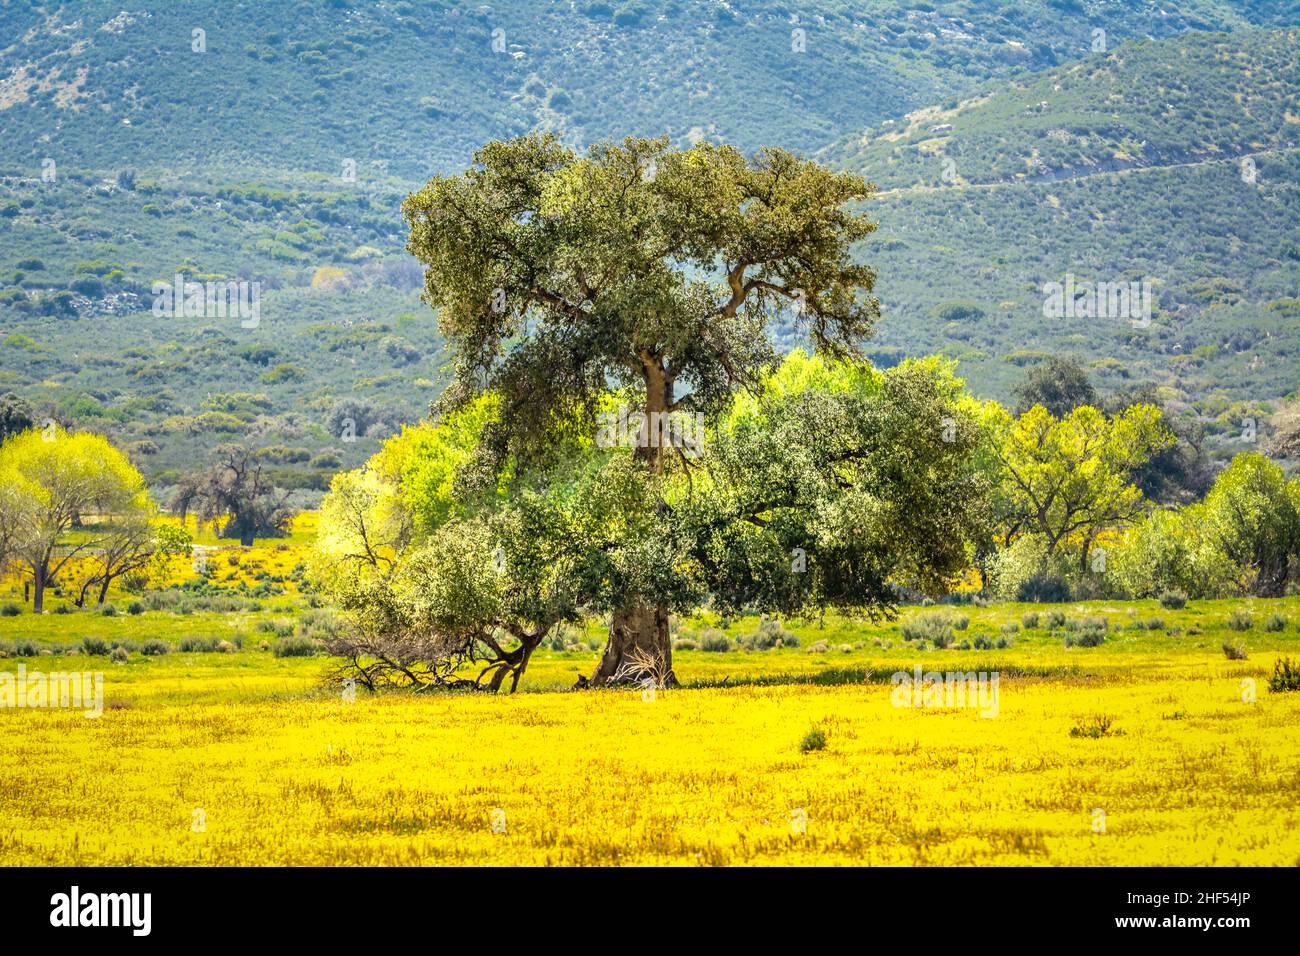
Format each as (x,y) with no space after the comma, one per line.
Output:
(1285,442)
(1253,515)
(430,584)
(557,275)
(63,476)
(1058,384)
(15,415)
(127,545)
(1068,479)
(1179,473)
(831,484)
(235,496)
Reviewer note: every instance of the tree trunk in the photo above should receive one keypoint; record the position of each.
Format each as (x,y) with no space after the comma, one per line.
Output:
(38,589)
(643,629)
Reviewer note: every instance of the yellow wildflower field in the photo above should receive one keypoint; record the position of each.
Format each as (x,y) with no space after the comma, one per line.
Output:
(248,759)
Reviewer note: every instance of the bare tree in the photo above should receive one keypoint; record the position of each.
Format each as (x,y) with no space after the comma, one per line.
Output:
(237,496)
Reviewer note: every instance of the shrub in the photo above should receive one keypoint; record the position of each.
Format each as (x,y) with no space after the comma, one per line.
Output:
(24,647)
(770,634)
(1003,643)
(108,610)
(1090,637)
(295,647)
(1090,623)
(1274,623)
(10,610)
(63,609)
(1173,600)
(1234,650)
(1240,621)
(983,642)
(1010,627)
(94,646)
(815,739)
(1030,620)
(1043,588)
(1154,624)
(686,644)
(961,622)
(120,655)
(820,647)
(1095,727)
(197,645)
(1286,676)
(155,647)
(714,641)
(935,627)
(1055,619)
(135,607)
(225,647)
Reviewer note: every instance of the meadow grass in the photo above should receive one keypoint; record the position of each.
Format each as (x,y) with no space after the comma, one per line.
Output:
(285,770)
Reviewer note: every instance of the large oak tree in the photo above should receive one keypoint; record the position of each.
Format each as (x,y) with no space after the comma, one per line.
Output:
(557,276)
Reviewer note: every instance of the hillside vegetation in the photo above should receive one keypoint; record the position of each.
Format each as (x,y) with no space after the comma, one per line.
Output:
(418,84)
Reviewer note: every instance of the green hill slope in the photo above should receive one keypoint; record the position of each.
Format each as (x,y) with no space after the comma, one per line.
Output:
(417,84)
(1152,103)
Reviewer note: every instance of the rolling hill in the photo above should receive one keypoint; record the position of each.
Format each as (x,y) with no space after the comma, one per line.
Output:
(1008,154)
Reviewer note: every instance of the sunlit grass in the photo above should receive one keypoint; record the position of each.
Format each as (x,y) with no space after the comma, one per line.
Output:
(287,771)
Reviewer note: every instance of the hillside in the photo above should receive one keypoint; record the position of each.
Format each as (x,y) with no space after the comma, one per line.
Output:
(1151,103)
(963,262)
(416,85)
(342,335)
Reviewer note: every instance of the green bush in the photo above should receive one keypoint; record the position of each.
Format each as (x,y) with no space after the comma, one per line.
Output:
(10,610)
(24,647)
(94,646)
(935,627)
(1096,727)
(1086,637)
(1286,676)
(155,647)
(1240,621)
(1043,588)
(815,739)
(197,645)
(296,647)
(1030,620)
(1055,619)
(770,634)
(714,641)
(135,607)
(1274,623)
(1173,600)
(120,655)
